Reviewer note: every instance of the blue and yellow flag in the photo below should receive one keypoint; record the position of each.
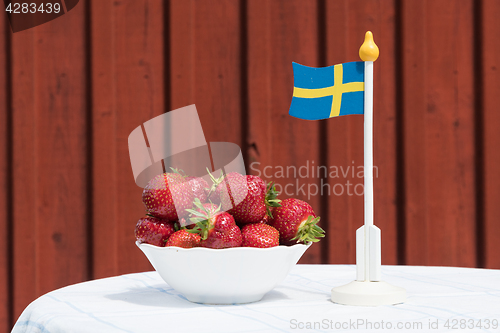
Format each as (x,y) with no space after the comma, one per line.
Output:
(325,92)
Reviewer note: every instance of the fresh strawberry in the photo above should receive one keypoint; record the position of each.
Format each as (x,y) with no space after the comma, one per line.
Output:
(199,186)
(259,235)
(296,222)
(183,238)
(217,229)
(167,196)
(244,197)
(265,219)
(154,231)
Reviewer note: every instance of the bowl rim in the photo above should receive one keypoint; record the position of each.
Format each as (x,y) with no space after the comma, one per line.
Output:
(206,249)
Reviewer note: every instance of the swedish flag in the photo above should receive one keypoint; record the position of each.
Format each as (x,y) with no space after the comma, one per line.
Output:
(325,92)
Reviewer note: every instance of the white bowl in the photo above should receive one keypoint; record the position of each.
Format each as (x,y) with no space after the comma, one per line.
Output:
(223,276)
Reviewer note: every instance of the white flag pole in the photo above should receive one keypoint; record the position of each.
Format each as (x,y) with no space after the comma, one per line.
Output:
(369,265)
(368,143)
(368,289)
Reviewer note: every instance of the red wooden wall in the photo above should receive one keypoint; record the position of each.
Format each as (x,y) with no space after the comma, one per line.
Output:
(72,90)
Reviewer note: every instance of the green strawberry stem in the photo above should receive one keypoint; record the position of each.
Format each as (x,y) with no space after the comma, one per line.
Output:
(309,231)
(201,219)
(178,171)
(271,198)
(215,182)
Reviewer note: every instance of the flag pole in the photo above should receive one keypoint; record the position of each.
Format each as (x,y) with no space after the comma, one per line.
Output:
(368,289)
(368,245)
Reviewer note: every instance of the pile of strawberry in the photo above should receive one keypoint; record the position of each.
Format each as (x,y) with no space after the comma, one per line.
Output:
(236,210)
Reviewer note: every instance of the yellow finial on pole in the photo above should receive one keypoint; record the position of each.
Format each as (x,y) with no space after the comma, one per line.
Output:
(369,50)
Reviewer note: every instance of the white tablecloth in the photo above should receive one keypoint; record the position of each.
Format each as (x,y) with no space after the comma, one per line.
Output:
(439,299)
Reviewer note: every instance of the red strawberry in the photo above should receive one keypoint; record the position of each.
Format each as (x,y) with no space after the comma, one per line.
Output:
(259,235)
(218,229)
(199,187)
(154,231)
(265,219)
(296,222)
(244,197)
(183,238)
(167,196)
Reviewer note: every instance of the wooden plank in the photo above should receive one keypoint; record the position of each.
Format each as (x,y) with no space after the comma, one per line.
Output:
(259,82)
(439,132)
(181,64)
(413,99)
(104,164)
(61,152)
(491,137)
(5,200)
(24,174)
(280,32)
(205,65)
(139,47)
(345,145)
(347,22)
(385,131)
(49,154)
(127,90)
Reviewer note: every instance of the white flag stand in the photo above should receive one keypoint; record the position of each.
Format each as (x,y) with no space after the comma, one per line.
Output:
(368,289)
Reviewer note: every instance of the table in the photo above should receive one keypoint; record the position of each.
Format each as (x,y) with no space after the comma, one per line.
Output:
(439,299)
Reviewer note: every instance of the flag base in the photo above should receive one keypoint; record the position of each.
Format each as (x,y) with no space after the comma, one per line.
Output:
(368,293)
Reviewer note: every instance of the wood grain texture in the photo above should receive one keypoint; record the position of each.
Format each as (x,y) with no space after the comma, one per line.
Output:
(385,132)
(181,54)
(139,94)
(205,65)
(128,89)
(439,132)
(280,32)
(104,155)
(259,45)
(345,146)
(5,140)
(49,155)
(24,174)
(491,136)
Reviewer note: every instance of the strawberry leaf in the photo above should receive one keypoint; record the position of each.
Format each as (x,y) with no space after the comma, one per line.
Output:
(195,212)
(271,198)
(309,231)
(202,228)
(197,203)
(215,182)
(178,171)
(202,219)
